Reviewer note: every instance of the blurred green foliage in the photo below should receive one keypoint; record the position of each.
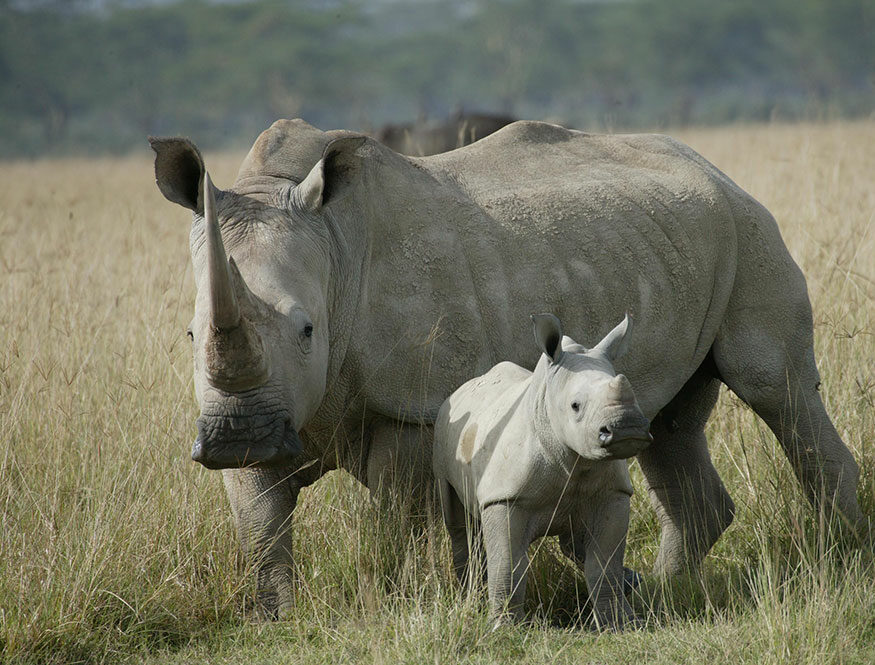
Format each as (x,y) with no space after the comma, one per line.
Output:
(79,76)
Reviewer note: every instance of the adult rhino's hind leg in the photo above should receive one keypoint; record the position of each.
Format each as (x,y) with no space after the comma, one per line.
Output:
(262,501)
(688,495)
(766,356)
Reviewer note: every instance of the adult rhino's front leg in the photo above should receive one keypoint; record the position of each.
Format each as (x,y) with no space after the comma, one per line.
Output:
(263,501)
(398,463)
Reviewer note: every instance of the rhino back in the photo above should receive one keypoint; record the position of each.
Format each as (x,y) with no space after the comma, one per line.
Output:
(483,435)
(539,218)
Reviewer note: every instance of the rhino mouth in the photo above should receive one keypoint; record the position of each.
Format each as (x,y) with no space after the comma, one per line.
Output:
(621,444)
(234,443)
(626,436)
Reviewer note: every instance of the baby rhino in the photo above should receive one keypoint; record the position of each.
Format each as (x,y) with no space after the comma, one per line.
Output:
(531,454)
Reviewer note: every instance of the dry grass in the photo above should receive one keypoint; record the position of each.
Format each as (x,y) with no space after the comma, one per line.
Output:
(115,547)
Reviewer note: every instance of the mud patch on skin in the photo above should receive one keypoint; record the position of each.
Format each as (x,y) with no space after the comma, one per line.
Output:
(466,448)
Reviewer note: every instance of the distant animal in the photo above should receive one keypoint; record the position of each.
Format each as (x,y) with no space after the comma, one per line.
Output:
(519,455)
(345,290)
(424,138)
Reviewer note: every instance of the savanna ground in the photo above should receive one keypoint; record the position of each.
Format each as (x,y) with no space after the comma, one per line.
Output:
(115,547)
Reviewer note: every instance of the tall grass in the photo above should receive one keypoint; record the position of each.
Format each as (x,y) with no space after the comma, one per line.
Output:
(115,547)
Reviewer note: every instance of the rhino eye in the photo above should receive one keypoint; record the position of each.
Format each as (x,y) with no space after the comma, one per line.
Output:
(308,330)
(190,334)
(575,406)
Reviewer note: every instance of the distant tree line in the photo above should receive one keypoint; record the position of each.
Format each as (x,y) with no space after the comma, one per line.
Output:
(99,76)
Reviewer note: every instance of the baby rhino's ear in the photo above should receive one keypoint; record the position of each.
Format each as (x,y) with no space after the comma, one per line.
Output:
(548,335)
(616,343)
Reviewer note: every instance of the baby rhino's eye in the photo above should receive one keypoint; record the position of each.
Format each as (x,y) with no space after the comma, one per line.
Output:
(575,406)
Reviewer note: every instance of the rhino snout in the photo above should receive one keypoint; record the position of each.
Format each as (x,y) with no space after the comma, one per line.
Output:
(233,442)
(625,439)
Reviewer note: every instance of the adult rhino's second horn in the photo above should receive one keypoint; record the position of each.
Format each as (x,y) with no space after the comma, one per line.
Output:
(224,308)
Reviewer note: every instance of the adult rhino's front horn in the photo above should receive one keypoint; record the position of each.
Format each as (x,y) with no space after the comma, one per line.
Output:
(224,306)
(234,354)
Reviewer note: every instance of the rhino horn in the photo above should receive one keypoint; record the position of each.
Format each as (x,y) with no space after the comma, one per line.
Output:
(224,307)
(621,389)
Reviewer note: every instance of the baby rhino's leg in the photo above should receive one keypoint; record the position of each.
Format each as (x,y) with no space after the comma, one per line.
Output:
(631,578)
(464,534)
(505,530)
(600,536)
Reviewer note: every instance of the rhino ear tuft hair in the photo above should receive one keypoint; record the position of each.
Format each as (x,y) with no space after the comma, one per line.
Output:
(332,174)
(179,171)
(548,335)
(616,343)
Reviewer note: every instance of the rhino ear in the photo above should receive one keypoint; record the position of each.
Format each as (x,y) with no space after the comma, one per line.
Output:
(616,343)
(548,335)
(332,174)
(179,171)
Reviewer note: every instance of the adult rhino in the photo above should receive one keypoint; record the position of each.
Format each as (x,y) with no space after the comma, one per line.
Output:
(362,287)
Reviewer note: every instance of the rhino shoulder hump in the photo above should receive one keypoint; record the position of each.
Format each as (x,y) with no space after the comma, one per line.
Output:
(532,131)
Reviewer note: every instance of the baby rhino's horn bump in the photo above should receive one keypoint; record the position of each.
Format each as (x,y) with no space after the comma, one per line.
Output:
(621,389)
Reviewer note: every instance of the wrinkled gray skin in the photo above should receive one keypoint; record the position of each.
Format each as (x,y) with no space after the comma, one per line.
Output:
(368,286)
(519,455)
(423,138)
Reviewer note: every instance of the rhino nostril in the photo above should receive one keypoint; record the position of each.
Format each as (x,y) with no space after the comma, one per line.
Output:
(604,433)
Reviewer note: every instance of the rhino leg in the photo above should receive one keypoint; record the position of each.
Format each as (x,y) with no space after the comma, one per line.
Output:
(399,462)
(766,357)
(571,548)
(690,500)
(262,501)
(465,534)
(603,567)
(505,531)
(598,546)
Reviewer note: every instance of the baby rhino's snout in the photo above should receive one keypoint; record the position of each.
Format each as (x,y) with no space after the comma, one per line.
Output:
(625,431)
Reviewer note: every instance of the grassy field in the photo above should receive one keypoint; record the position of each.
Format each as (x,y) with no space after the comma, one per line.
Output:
(115,547)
